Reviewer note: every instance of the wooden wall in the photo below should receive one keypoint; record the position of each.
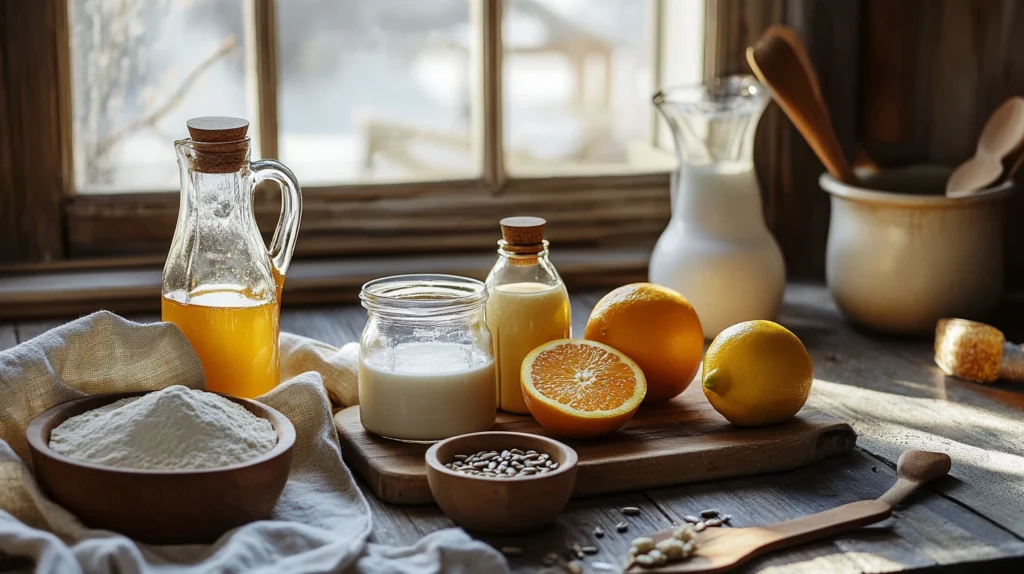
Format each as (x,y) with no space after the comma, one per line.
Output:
(906,81)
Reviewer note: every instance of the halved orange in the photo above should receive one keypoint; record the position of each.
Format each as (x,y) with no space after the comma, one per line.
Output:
(582,389)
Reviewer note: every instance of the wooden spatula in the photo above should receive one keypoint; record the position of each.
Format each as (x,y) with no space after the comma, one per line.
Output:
(720,549)
(779,60)
(1001,137)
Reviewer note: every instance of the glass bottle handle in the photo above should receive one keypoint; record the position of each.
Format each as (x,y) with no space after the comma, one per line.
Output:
(283,244)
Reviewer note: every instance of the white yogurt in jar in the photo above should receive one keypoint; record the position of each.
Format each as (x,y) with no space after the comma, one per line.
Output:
(426,391)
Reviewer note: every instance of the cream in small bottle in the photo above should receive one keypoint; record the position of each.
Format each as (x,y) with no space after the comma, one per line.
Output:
(527,304)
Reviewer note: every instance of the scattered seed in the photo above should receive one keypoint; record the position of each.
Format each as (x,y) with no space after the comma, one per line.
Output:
(511,551)
(550,559)
(711,522)
(599,532)
(671,548)
(683,534)
(699,527)
(631,511)
(658,556)
(602,566)
(727,518)
(575,567)
(691,519)
(709,513)
(576,550)
(622,526)
(643,545)
(589,549)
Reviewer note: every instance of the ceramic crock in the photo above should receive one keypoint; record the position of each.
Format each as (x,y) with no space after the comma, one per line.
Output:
(901,254)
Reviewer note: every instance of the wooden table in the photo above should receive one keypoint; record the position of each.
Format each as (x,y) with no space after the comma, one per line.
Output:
(888,389)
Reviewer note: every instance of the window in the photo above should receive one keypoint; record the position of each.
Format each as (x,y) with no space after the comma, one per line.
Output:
(140,69)
(577,84)
(412,125)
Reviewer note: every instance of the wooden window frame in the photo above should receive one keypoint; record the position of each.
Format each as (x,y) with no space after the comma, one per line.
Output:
(394,218)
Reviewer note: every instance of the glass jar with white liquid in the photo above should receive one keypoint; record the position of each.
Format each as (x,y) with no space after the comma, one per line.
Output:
(426,368)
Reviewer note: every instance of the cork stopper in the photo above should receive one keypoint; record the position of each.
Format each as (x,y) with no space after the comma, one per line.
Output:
(523,236)
(222,145)
(523,231)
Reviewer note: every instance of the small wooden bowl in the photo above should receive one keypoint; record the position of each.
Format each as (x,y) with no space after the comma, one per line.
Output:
(161,506)
(501,505)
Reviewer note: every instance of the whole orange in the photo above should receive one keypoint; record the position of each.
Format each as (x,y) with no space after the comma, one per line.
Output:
(657,328)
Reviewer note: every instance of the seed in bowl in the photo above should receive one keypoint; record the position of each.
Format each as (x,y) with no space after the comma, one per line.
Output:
(509,463)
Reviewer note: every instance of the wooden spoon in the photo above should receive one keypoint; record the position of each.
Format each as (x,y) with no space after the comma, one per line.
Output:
(779,60)
(720,549)
(1013,162)
(1001,137)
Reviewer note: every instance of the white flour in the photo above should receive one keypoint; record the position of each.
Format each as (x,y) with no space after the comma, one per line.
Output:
(176,428)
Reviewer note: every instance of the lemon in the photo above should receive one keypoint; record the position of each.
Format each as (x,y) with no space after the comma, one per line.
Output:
(656,327)
(757,373)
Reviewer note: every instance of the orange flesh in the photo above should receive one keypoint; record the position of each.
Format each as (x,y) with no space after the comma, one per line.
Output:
(583,377)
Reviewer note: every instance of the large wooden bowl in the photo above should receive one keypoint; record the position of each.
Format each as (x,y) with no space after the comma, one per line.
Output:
(161,506)
(495,505)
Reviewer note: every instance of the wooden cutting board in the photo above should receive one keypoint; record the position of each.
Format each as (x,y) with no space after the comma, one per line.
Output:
(677,442)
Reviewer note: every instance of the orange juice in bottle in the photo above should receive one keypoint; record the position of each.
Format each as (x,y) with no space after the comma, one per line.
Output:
(235,337)
(527,304)
(221,285)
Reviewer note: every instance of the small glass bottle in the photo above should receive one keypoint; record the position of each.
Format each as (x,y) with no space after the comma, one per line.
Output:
(527,304)
(426,371)
(221,284)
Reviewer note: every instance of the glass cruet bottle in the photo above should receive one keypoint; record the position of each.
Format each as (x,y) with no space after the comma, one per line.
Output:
(221,285)
(527,304)
(717,250)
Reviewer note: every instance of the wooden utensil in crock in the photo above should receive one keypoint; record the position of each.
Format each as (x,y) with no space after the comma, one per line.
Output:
(779,60)
(161,506)
(501,505)
(1001,137)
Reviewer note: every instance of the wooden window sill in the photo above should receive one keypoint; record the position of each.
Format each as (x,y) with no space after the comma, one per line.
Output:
(137,289)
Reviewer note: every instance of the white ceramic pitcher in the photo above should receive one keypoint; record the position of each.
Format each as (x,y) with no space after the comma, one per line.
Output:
(716,250)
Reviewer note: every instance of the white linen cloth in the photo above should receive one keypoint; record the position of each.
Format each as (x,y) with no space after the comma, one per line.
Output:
(322,523)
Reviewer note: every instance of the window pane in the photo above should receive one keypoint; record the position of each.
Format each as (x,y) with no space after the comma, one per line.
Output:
(377,90)
(577,84)
(140,69)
